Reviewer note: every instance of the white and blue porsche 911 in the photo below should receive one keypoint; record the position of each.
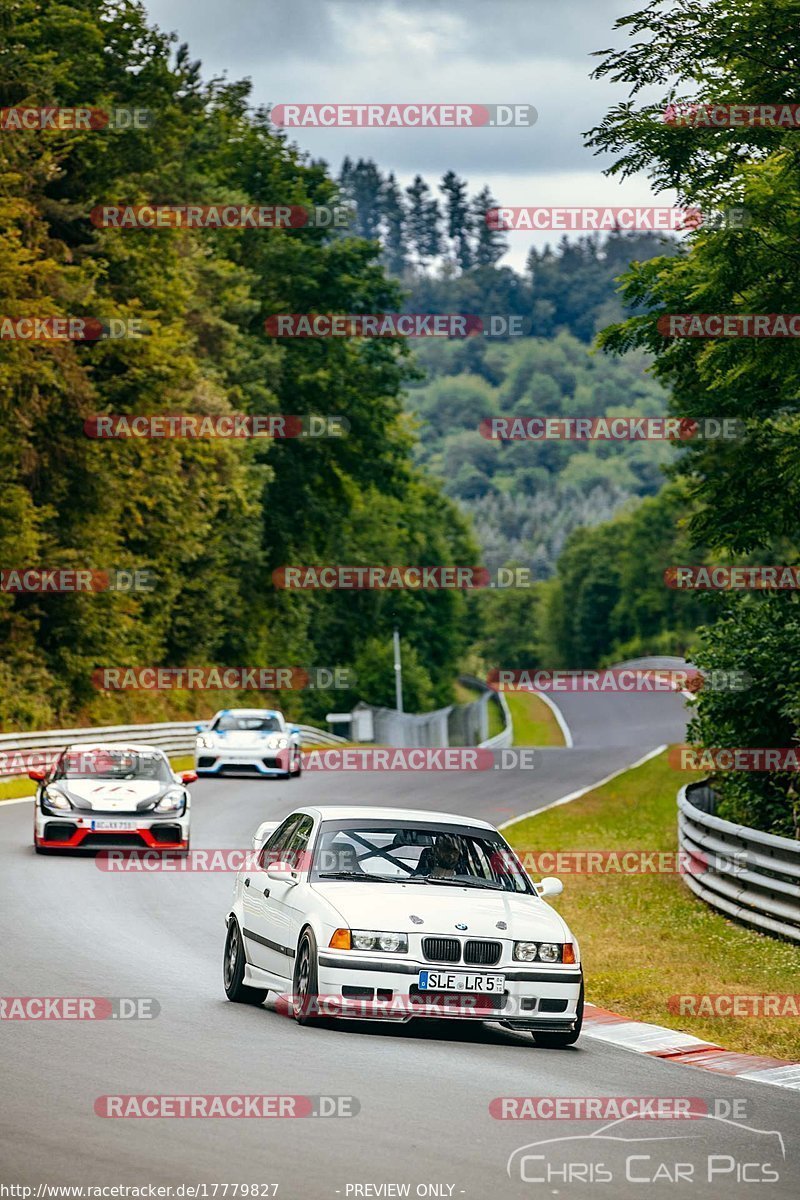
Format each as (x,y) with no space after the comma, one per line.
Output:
(254,741)
(389,914)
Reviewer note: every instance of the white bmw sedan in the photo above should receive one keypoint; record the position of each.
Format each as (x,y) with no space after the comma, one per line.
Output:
(389,914)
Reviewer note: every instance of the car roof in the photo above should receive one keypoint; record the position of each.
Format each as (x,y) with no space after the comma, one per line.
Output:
(125,747)
(369,812)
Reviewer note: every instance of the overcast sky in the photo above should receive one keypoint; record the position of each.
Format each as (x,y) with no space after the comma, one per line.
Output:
(480,51)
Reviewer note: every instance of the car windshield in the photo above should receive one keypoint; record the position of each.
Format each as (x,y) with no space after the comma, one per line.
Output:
(114,764)
(258,724)
(426,854)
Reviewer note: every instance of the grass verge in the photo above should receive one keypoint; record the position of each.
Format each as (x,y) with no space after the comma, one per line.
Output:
(534,723)
(645,938)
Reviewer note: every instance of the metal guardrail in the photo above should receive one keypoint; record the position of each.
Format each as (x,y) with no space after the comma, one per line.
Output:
(21,751)
(455,725)
(751,876)
(506,735)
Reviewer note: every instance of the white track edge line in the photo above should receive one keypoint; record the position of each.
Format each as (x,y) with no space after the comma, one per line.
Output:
(589,788)
(560,718)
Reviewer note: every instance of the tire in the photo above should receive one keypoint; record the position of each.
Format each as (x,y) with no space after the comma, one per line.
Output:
(299,771)
(305,981)
(233,970)
(555,1041)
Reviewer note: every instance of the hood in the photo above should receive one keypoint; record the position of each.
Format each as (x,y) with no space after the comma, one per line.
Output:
(389,906)
(114,795)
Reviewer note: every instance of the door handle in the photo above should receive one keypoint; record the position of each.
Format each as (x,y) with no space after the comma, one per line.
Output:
(266,891)
(247,883)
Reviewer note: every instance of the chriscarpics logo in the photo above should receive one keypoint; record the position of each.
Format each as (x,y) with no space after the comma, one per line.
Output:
(711,1150)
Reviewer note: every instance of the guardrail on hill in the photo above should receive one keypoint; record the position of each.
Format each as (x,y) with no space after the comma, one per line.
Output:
(20,751)
(751,876)
(506,735)
(455,725)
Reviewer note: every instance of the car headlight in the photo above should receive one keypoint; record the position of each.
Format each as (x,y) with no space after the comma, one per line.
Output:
(55,799)
(204,741)
(367,939)
(545,951)
(549,952)
(170,802)
(281,743)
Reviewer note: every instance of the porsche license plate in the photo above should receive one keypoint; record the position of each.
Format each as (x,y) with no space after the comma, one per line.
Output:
(456,981)
(111,825)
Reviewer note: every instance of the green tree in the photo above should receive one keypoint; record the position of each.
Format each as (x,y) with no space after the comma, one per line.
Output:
(743,493)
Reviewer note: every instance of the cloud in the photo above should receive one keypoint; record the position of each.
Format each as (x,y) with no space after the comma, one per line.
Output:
(480,51)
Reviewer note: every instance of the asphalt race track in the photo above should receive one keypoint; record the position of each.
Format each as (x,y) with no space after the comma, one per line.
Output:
(70,929)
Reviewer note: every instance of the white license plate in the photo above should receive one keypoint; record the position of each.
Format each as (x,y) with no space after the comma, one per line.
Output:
(453,981)
(113,825)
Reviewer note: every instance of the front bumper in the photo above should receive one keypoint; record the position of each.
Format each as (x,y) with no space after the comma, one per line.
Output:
(213,760)
(535,997)
(77,831)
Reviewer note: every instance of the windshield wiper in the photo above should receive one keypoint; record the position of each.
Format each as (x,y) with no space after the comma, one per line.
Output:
(353,875)
(473,883)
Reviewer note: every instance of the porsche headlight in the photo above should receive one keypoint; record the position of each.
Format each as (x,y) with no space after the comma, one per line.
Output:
(204,741)
(281,743)
(170,802)
(367,939)
(53,798)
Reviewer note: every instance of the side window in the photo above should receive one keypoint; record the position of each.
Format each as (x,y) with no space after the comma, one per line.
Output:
(298,843)
(275,845)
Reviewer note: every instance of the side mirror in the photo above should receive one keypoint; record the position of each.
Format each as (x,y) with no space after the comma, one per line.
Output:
(189,777)
(550,886)
(294,729)
(200,727)
(281,872)
(263,832)
(37,774)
